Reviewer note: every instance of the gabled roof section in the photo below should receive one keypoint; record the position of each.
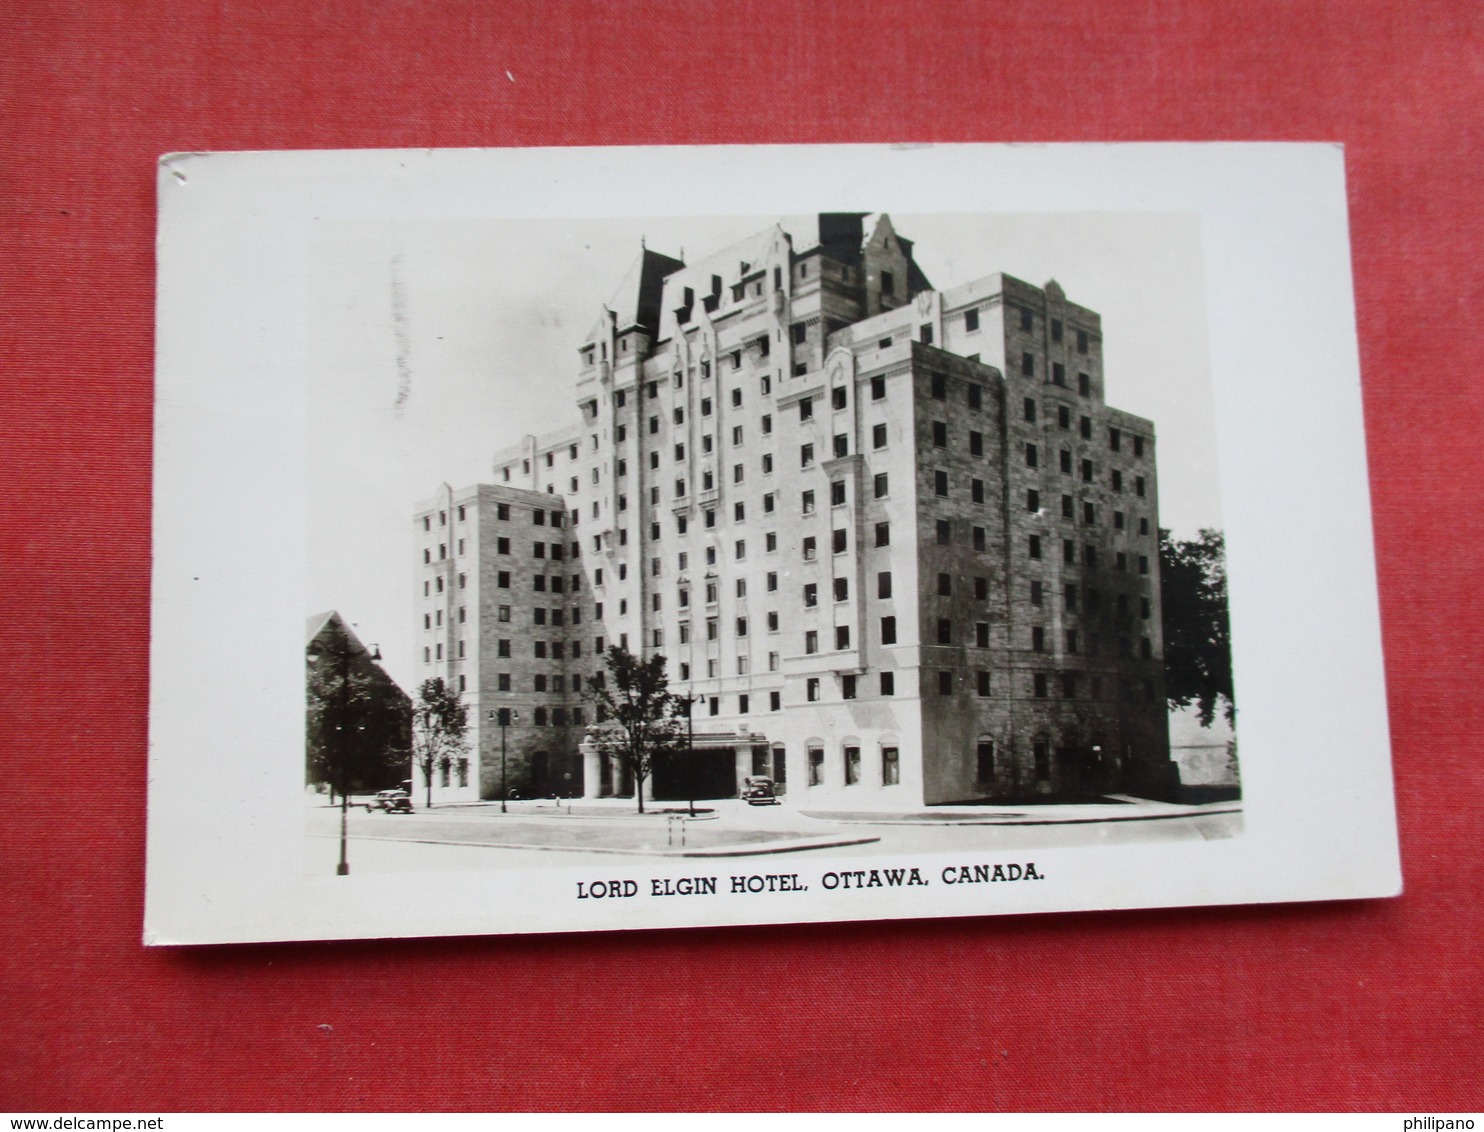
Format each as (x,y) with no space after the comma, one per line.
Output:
(331,621)
(637,300)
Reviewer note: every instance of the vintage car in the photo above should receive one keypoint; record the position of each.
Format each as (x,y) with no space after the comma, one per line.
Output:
(757,790)
(390,802)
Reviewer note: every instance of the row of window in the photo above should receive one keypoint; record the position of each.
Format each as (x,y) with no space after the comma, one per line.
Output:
(1085,468)
(1089,557)
(1028,325)
(850,765)
(1089,511)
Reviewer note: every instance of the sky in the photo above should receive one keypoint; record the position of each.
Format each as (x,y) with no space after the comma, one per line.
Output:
(435,344)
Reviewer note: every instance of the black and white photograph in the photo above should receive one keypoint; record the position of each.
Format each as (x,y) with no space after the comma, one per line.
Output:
(602,539)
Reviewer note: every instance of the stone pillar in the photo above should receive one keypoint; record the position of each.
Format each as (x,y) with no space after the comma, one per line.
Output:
(592,769)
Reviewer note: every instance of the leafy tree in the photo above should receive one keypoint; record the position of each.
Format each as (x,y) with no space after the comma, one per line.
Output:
(639,720)
(440,725)
(1197,631)
(356,721)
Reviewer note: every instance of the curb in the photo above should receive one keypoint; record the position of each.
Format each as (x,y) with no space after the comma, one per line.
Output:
(759,850)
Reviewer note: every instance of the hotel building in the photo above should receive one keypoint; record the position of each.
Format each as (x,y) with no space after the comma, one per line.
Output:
(891,538)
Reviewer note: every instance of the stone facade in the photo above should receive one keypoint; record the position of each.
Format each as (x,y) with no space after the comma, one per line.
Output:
(891,537)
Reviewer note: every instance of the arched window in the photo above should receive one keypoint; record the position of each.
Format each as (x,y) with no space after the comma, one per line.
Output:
(850,758)
(814,751)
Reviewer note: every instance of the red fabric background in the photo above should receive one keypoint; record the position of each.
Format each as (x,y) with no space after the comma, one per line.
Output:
(1356,1005)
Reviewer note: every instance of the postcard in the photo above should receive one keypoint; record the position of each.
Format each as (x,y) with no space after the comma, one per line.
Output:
(589,539)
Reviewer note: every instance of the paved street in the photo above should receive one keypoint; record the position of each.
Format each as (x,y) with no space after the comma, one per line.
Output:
(539,834)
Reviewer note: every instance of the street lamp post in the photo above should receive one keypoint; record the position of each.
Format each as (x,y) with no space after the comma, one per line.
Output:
(342,742)
(690,750)
(505,717)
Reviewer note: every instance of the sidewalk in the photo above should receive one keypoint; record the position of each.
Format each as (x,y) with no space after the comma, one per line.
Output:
(1120,807)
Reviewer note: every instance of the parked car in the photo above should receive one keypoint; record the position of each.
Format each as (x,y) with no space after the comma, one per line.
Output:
(757,790)
(390,802)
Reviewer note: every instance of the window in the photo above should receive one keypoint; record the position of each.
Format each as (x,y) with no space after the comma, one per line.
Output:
(1090,556)
(889,688)
(775,701)
(979,543)
(1086,471)
(741,626)
(838,397)
(739,513)
(842,445)
(713,629)
(1084,385)
(837,541)
(888,630)
(1082,341)
(883,584)
(1115,439)
(1139,486)
(881,486)
(1028,365)
(1038,686)
(816,754)
(1072,641)
(806,409)
(1032,500)
(1138,447)
(981,589)
(773,622)
(878,436)
(878,389)
(1038,639)
(981,635)
(940,434)
(939,387)
(742,703)
(1143,564)
(767,463)
(945,532)
(971,321)
(945,631)
(842,589)
(842,636)
(772,581)
(1025,319)
(940,483)
(811,594)
(1089,513)
(502,579)
(1035,546)
(767,424)
(1116,478)
(1031,457)
(806,455)
(883,534)
(888,283)
(812,689)
(768,503)
(810,548)
(837,493)
(945,683)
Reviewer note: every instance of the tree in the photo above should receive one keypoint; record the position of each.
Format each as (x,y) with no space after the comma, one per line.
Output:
(356,721)
(1197,631)
(440,724)
(639,720)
